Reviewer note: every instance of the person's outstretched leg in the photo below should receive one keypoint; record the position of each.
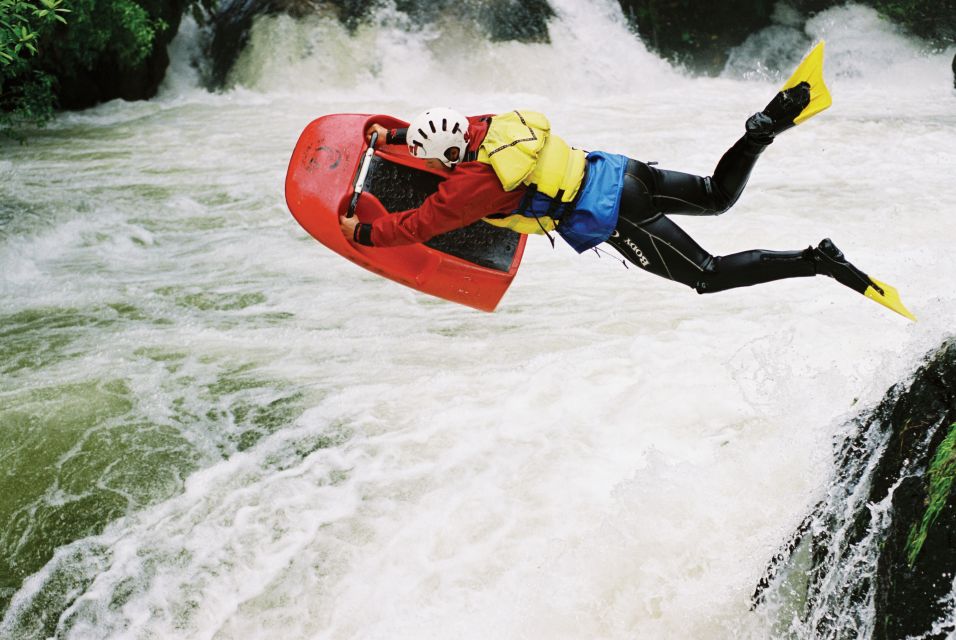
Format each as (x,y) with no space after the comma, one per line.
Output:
(650,240)
(663,248)
(756,266)
(675,192)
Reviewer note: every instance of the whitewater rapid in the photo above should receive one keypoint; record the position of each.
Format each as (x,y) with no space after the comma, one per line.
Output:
(219,429)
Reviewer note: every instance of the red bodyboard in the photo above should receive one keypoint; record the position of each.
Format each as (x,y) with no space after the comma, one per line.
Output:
(474,266)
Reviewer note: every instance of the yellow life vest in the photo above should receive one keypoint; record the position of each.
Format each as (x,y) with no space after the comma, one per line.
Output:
(521,149)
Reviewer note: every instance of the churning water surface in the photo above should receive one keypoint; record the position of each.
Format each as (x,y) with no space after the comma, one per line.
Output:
(213,427)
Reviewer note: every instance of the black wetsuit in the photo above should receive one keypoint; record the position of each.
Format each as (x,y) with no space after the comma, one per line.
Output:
(646,237)
(649,239)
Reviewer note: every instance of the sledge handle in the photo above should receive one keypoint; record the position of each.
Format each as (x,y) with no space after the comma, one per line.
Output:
(362,173)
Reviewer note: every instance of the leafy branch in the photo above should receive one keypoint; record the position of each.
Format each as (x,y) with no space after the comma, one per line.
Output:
(21,24)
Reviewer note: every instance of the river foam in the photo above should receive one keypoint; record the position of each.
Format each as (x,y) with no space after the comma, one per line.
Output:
(277,442)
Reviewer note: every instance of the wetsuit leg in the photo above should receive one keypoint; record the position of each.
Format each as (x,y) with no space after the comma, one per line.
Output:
(756,267)
(674,192)
(652,241)
(661,247)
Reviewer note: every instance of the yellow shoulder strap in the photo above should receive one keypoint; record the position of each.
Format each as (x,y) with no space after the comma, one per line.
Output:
(512,144)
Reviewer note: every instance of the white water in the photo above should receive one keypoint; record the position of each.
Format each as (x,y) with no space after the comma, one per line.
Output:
(609,455)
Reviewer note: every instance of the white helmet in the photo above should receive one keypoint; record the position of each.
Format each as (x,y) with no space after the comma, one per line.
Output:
(435,133)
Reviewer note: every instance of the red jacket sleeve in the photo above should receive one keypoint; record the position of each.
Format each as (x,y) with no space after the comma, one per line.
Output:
(470,193)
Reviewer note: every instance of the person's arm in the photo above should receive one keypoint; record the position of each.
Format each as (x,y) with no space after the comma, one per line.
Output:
(385,136)
(441,212)
(468,195)
(445,210)
(398,136)
(358,232)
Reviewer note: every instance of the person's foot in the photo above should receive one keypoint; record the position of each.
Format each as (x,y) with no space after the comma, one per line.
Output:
(779,113)
(760,128)
(830,261)
(787,105)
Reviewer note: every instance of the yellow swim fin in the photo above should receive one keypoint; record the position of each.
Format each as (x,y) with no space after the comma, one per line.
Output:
(889,298)
(811,72)
(831,261)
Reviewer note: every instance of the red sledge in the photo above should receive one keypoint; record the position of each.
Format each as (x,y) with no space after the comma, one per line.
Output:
(333,171)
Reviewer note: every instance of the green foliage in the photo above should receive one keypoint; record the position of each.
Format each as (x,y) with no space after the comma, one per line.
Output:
(28,101)
(40,48)
(942,473)
(25,91)
(21,24)
(121,29)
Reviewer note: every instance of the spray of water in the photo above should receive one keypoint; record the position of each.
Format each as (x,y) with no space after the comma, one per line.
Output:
(272,441)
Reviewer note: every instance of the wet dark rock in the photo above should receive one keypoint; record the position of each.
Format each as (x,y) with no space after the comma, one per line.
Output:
(914,577)
(954,71)
(500,20)
(109,77)
(700,35)
(886,532)
(697,34)
(230,27)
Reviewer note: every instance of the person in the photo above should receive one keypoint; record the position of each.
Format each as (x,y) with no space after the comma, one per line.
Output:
(508,169)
